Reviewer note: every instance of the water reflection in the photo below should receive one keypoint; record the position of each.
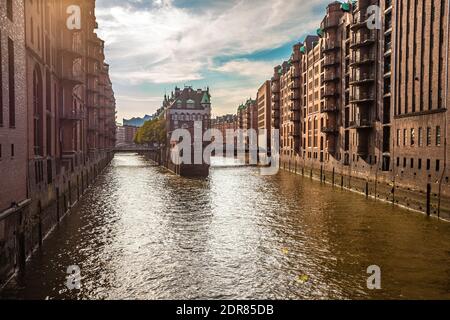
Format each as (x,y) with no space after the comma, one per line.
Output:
(144,233)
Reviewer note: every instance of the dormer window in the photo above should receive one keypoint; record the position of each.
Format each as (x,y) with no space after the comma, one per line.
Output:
(190,104)
(178,103)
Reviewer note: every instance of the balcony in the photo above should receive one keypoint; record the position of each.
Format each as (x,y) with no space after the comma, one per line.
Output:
(94,52)
(362,150)
(294,116)
(71,47)
(329,130)
(362,78)
(362,59)
(296,132)
(329,108)
(331,61)
(72,115)
(362,40)
(360,20)
(330,23)
(331,77)
(296,74)
(295,96)
(294,85)
(294,107)
(71,78)
(331,46)
(275,88)
(275,114)
(330,92)
(362,97)
(362,123)
(295,58)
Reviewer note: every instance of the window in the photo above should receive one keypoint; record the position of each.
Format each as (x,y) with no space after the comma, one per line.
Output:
(12,91)
(398,137)
(428,164)
(412,137)
(9,9)
(404,137)
(419,166)
(190,104)
(438,165)
(0,151)
(419,138)
(398,162)
(404,162)
(412,163)
(438,136)
(428,136)
(12,150)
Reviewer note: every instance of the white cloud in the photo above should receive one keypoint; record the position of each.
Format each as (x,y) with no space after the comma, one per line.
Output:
(167,44)
(245,67)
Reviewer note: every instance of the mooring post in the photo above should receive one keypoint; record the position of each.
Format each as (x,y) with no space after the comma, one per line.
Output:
(21,255)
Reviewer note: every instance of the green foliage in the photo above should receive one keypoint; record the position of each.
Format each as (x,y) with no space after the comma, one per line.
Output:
(153,131)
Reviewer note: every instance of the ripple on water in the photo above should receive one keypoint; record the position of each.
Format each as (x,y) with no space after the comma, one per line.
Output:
(143,233)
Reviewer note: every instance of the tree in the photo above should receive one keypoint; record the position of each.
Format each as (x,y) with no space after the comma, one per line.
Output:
(151,132)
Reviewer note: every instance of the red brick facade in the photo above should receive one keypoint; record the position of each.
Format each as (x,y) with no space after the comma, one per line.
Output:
(59,132)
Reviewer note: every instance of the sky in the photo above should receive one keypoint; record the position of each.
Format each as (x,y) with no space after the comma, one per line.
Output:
(231,46)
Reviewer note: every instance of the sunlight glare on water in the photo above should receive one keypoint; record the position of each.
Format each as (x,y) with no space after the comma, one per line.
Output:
(143,233)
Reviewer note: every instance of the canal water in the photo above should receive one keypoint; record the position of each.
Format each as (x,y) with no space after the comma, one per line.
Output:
(143,233)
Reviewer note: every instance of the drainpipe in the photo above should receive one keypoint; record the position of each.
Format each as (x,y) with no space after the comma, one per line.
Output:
(446,107)
(394,106)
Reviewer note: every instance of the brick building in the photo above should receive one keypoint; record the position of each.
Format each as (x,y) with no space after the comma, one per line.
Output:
(223,124)
(130,134)
(264,102)
(57,126)
(374,102)
(247,118)
(185,109)
(14,196)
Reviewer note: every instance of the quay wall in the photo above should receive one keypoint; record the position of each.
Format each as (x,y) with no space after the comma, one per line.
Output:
(423,196)
(24,229)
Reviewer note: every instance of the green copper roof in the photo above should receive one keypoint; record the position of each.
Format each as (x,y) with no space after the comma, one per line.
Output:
(303,49)
(206,99)
(348,6)
(320,32)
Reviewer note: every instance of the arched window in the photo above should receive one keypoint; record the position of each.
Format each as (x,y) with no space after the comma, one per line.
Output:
(316,131)
(38,112)
(309,132)
(190,103)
